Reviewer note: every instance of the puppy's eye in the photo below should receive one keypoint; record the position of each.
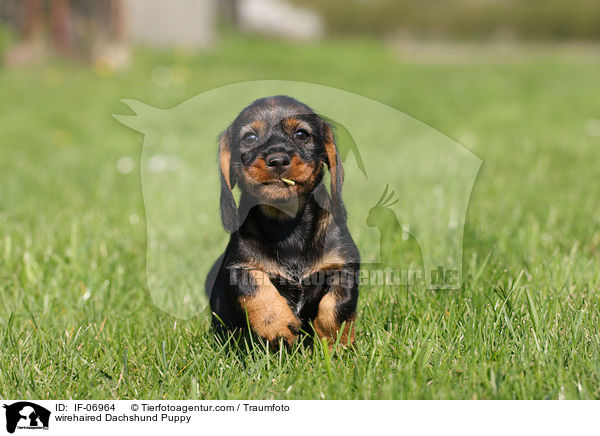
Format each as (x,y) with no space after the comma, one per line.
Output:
(301,135)
(249,138)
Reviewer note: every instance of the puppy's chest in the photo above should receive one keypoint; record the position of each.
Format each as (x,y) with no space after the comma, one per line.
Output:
(293,267)
(298,282)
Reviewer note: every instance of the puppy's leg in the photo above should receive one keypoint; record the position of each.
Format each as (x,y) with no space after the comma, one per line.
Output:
(269,314)
(337,307)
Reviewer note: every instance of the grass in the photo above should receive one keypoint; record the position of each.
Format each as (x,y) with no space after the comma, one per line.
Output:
(76,318)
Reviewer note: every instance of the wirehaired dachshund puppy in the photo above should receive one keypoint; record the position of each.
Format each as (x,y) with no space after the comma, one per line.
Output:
(291,264)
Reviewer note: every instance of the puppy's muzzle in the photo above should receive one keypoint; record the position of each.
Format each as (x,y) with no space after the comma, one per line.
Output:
(278,163)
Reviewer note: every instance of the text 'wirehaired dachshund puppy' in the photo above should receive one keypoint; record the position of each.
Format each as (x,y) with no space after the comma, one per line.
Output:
(291,263)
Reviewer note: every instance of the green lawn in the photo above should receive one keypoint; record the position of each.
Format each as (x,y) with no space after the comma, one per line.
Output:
(76,318)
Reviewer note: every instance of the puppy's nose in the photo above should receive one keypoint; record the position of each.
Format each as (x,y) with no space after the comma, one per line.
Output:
(278,162)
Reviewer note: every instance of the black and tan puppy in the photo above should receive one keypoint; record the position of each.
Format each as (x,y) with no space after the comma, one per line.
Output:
(291,263)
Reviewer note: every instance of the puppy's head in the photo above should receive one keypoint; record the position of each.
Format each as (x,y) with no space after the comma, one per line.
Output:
(276,150)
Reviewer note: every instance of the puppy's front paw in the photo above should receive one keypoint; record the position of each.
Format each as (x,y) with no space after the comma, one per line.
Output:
(268,312)
(278,325)
(329,327)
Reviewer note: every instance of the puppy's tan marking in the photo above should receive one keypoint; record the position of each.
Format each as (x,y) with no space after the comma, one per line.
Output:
(271,268)
(330,261)
(268,313)
(291,124)
(257,126)
(327,325)
(258,171)
(335,170)
(263,184)
(225,159)
(300,171)
(325,322)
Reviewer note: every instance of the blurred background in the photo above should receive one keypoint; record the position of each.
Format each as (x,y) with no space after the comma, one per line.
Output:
(516,82)
(104,31)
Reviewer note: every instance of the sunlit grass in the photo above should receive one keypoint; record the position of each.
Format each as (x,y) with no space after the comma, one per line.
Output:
(76,318)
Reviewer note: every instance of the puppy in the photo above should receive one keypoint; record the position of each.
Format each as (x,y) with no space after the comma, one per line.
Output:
(291,264)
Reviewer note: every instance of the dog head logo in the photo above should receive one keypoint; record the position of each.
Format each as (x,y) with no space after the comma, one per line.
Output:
(26,415)
(425,176)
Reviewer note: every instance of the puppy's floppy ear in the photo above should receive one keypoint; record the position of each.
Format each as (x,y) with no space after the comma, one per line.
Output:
(336,172)
(229,211)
